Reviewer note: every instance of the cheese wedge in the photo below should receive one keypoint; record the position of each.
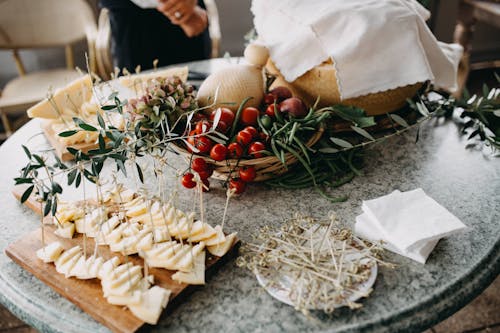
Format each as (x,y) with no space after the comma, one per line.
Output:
(123,277)
(172,263)
(116,235)
(65,101)
(153,301)
(123,288)
(138,81)
(137,210)
(220,250)
(87,269)
(50,253)
(197,274)
(207,232)
(218,238)
(108,267)
(185,264)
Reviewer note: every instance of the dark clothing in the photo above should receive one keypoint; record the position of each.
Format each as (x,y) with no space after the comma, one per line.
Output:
(139,36)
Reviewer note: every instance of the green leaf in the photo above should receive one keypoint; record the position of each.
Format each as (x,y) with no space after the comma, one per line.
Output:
(102,143)
(88,127)
(27,193)
(101,122)
(54,208)
(72,150)
(354,114)
(422,109)
(39,159)
(328,150)
(363,133)
(108,107)
(47,207)
(21,180)
(66,134)
(72,176)
(139,172)
(486,90)
(399,120)
(26,151)
(78,179)
(56,188)
(341,143)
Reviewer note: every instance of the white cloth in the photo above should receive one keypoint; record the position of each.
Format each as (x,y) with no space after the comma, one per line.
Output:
(409,223)
(376,45)
(146,3)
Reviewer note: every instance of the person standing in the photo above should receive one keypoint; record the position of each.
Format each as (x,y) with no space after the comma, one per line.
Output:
(173,32)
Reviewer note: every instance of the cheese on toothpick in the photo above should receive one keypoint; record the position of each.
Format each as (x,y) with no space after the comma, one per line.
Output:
(197,274)
(50,253)
(153,301)
(220,250)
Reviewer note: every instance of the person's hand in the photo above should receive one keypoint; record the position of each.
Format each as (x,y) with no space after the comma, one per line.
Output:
(177,11)
(197,22)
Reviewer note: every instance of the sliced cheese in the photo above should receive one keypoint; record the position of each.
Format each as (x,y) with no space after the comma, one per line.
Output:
(50,253)
(137,210)
(153,301)
(108,267)
(207,232)
(66,230)
(220,250)
(218,238)
(67,255)
(197,274)
(185,264)
(133,298)
(172,263)
(66,267)
(64,101)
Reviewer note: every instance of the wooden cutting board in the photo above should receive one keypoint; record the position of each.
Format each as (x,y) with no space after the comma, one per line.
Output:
(61,150)
(87,294)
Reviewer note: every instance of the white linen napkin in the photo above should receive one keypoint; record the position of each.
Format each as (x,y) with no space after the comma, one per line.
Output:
(409,223)
(146,3)
(376,45)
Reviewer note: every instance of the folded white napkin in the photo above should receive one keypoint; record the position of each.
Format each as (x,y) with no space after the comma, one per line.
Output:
(409,223)
(376,45)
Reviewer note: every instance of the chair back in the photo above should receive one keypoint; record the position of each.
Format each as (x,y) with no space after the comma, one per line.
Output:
(44,23)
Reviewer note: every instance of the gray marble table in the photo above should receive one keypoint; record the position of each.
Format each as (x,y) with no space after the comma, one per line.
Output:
(410,298)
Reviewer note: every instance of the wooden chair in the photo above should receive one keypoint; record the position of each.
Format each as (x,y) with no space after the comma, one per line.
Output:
(103,38)
(32,24)
(469,13)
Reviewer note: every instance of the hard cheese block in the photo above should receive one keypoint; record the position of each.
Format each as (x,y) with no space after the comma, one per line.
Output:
(64,101)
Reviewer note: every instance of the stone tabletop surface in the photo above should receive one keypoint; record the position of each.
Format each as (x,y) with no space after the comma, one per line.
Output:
(409,298)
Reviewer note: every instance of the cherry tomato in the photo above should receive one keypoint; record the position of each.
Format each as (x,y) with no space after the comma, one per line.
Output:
(238,185)
(199,164)
(218,152)
(235,150)
(244,138)
(207,184)
(256,148)
(252,130)
(187,180)
(202,126)
(222,127)
(226,116)
(198,116)
(203,144)
(270,110)
(247,174)
(205,174)
(249,116)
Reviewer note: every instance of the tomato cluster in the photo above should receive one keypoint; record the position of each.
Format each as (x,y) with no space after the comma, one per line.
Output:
(248,140)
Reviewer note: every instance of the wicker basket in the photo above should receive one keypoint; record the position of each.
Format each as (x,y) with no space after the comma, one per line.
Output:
(266,167)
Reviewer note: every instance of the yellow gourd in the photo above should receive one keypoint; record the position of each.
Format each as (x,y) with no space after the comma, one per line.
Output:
(235,83)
